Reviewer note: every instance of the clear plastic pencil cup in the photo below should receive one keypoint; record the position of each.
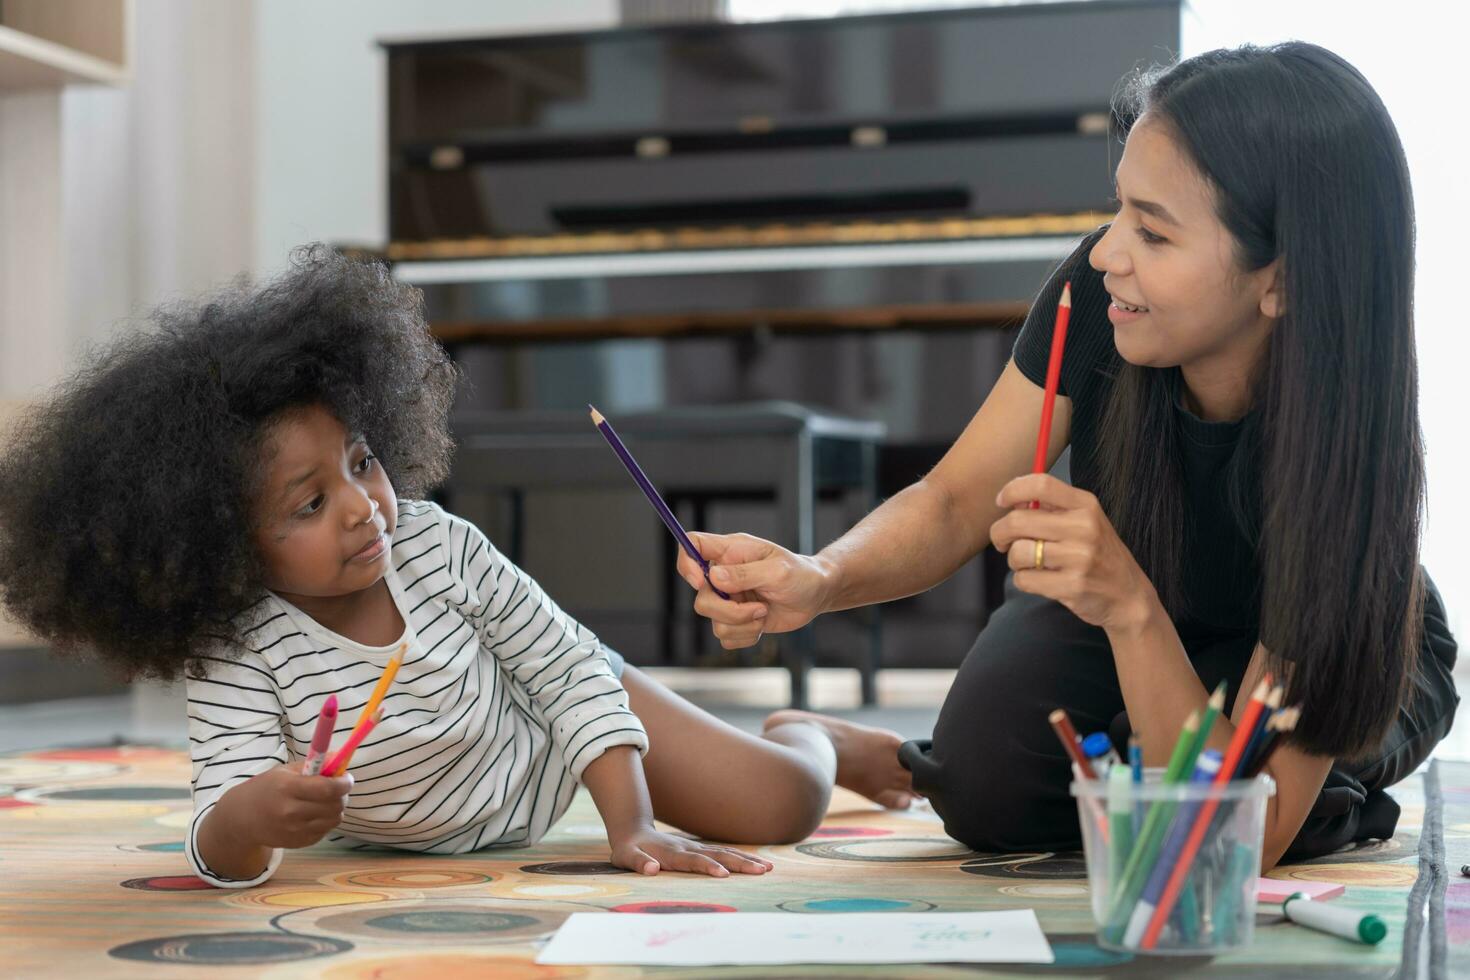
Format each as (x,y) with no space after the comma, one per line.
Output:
(1172,868)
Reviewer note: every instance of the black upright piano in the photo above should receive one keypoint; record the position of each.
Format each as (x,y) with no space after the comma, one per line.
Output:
(845,212)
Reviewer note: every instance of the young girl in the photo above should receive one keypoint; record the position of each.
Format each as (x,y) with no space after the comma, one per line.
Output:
(219,498)
(1240,400)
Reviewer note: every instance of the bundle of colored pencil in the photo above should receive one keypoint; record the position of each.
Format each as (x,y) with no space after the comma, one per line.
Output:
(1251,747)
(1146,886)
(371,714)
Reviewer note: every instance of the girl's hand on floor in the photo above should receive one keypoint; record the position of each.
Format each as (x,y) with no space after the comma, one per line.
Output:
(1085,565)
(288,809)
(648,851)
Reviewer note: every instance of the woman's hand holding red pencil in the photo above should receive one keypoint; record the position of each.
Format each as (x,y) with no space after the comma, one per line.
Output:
(1086,566)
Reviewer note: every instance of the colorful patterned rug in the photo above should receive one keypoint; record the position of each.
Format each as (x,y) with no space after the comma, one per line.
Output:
(93,883)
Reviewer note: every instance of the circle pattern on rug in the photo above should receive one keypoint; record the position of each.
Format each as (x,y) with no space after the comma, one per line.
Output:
(169,883)
(1080,951)
(451,920)
(230,948)
(829,905)
(416,878)
(669,908)
(92,812)
(301,898)
(1045,890)
(28,771)
(444,966)
(888,850)
(448,923)
(1069,866)
(541,890)
(108,794)
(1362,875)
(851,832)
(109,753)
(159,847)
(1404,842)
(575,868)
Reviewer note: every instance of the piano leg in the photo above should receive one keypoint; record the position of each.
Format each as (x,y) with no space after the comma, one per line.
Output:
(796,503)
(873,614)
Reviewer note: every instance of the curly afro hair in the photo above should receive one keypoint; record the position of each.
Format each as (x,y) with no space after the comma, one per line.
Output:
(126,498)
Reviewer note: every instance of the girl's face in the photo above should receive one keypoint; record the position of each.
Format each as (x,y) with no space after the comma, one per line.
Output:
(326,512)
(1179,295)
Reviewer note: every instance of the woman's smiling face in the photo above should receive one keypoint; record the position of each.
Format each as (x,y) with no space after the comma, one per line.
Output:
(1171,267)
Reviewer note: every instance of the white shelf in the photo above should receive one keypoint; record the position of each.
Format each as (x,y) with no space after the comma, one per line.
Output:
(29,62)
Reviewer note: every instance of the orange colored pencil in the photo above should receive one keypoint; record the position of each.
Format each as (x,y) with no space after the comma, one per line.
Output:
(368,711)
(1053,381)
(338,763)
(1206,813)
(389,672)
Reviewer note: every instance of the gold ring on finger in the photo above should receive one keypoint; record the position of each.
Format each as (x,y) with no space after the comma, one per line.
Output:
(1040,553)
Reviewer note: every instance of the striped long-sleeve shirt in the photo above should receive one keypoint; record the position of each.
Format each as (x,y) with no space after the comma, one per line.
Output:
(501,702)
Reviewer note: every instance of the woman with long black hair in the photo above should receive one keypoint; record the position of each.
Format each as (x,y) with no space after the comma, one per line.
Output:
(1240,399)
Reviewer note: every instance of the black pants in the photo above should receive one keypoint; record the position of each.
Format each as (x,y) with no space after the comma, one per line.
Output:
(996,774)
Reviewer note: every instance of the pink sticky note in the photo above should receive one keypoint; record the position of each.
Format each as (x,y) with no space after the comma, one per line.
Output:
(1274,890)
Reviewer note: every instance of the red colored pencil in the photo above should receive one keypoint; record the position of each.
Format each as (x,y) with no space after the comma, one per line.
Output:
(337,765)
(1206,814)
(1053,379)
(1062,725)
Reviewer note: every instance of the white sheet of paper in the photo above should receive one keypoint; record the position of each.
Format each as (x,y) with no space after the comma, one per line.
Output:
(745,938)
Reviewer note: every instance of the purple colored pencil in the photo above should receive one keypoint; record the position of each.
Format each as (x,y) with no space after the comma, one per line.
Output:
(665,514)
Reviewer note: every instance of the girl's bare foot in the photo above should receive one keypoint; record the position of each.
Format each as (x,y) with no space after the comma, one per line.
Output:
(867,758)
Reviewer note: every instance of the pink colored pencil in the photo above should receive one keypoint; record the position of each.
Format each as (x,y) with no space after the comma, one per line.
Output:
(321,739)
(337,765)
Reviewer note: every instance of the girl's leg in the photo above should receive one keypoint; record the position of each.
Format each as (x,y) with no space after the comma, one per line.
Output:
(867,758)
(717,782)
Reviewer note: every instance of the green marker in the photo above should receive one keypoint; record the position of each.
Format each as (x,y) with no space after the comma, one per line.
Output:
(1334,919)
(1120,820)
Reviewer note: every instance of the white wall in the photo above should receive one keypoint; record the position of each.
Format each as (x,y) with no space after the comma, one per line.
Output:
(31,247)
(157,177)
(322,96)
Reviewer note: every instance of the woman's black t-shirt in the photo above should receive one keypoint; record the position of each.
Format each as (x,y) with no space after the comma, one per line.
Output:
(1222,575)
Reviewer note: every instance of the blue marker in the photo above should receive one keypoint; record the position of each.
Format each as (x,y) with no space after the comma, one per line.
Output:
(1099,750)
(1135,762)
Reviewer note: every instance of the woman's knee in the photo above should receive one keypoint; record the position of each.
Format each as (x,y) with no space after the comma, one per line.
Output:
(993,805)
